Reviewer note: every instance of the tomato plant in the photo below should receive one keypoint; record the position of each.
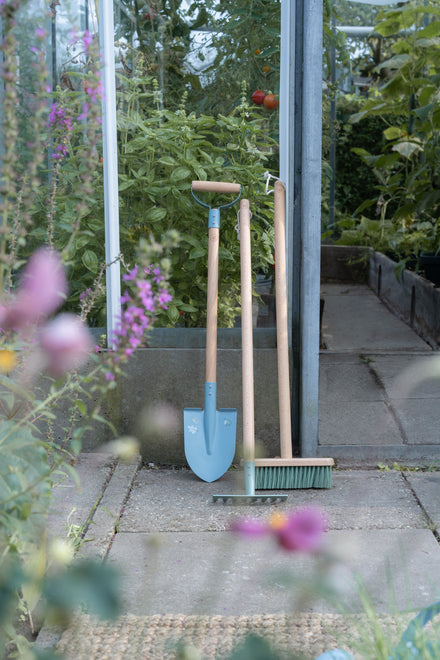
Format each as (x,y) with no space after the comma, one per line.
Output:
(270,102)
(258,97)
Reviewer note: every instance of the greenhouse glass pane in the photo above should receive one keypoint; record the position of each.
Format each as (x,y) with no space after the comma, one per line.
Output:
(187,74)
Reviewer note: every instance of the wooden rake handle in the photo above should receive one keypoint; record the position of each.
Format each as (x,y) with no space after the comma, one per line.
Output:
(246,333)
(281,322)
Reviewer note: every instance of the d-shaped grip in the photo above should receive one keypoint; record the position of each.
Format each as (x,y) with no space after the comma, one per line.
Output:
(216,186)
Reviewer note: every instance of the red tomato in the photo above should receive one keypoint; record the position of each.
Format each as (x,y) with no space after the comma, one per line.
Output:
(270,102)
(258,97)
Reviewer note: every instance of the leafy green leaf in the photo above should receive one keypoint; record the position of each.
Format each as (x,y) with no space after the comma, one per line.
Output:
(197,253)
(180,173)
(407,149)
(90,261)
(173,313)
(187,308)
(168,160)
(81,406)
(396,62)
(392,133)
(156,214)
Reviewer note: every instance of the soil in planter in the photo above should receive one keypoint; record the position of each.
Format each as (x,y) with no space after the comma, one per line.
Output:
(431,266)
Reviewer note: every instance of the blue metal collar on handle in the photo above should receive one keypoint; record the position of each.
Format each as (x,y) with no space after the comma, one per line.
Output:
(214,213)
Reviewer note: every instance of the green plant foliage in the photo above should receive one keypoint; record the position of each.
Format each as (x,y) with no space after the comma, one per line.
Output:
(163,32)
(46,401)
(91,585)
(355,180)
(161,152)
(256,648)
(402,216)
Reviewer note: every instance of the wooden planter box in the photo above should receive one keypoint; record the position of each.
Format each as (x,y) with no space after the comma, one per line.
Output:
(412,298)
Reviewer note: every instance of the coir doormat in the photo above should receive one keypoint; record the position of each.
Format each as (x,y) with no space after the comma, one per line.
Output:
(165,636)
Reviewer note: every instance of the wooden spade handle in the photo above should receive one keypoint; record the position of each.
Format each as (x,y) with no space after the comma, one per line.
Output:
(246,333)
(281,315)
(216,186)
(211,310)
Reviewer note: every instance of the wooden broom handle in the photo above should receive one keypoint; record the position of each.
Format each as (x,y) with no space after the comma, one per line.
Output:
(281,321)
(246,332)
(211,308)
(216,186)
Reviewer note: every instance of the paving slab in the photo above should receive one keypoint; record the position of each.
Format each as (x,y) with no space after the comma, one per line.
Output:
(111,505)
(409,376)
(176,555)
(358,423)
(72,502)
(343,381)
(176,500)
(419,420)
(426,487)
(214,573)
(355,319)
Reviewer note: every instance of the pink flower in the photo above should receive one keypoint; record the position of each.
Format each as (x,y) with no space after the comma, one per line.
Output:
(303,531)
(66,344)
(250,527)
(42,290)
(87,39)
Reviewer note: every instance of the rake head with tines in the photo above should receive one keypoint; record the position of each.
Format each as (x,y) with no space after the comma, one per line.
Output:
(249,497)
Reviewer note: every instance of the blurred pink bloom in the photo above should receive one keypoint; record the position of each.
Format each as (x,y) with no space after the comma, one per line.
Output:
(303,530)
(66,344)
(42,290)
(250,527)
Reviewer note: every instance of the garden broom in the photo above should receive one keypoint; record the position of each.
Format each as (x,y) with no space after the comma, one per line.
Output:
(249,497)
(287,472)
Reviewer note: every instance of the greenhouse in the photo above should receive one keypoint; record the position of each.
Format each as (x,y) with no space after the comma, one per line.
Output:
(219,254)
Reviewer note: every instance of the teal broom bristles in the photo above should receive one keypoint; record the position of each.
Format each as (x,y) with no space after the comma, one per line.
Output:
(301,473)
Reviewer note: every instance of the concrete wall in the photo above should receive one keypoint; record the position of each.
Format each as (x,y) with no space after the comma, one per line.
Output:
(159,383)
(171,379)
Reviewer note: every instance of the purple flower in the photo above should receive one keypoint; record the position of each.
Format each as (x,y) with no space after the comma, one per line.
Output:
(66,343)
(139,304)
(131,275)
(85,112)
(164,298)
(301,530)
(158,277)
(87,39)
(85,294)
(42,290)
(250,527)
(94,91)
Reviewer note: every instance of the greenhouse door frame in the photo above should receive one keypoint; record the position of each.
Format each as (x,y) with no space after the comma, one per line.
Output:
(300,169)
